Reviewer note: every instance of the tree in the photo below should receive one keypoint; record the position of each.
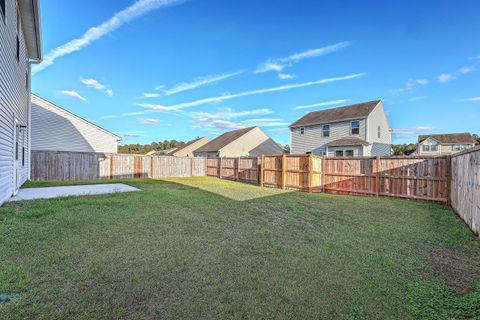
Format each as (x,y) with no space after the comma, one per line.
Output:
(477,138)
(145,148)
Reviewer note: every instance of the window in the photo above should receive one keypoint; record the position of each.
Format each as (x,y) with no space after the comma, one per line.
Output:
(379,132)
(339,153)
(302,130)
(2,8)
(308,152)
(23,156)
(349,153)
(460,147)
(355,127)
(26,80)
(430,148)
(326,130)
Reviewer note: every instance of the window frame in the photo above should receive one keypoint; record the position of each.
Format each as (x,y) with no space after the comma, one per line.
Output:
(338,151)
(352,127)
(349,151)
(323,130)
(302,130)
(430,147)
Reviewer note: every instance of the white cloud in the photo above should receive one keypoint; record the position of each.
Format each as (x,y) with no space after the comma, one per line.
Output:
(150,95)
(417,98)
(285,76)
(200,82)
(109,92)
(128,114)
(474,99)
(279,64)
(410,85)
(73,94)
(149,121)
(447,77)
(226,97)
(95,84)
(411,132)
(322,104)
(136,10)
(159,87)
(131,134)
(230,114)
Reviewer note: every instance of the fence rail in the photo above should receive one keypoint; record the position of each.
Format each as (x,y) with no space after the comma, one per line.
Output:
(72,166)
(238,169)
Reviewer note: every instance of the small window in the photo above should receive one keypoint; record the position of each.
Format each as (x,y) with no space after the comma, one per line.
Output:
(379,132)
(308,152)
(326,130)
(2,8)
(23,156)
(349,153)
(430,148)
(355,127)
(18,49)
(27,80)
(460,147)
(302,130)
(339,153)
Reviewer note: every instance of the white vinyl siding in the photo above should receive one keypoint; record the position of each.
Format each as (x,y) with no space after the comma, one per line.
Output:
(379,135)
(313,139)
(14,99)
(55,129)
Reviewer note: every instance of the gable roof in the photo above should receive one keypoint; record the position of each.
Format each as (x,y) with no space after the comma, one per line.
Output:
(350,141)
(171,153)
(32,30)
(45,103)
(223,140)
(350,112)
(448,138)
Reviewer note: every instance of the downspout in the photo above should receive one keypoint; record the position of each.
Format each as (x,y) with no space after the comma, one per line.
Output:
(29,122)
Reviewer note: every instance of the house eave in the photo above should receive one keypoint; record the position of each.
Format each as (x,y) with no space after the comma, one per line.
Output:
(31,24)
(324,122)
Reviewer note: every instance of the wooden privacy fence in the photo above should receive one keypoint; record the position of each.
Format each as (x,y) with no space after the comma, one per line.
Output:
(73,166)
(465,187)
(238,169)
(414,177)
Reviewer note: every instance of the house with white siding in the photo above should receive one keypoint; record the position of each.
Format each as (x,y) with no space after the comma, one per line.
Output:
(247,142)
(355,130)
(444,144)
(57,129)
(20,46)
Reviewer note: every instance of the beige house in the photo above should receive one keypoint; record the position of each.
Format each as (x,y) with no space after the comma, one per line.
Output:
(248,142)
(57,129)
(355,130)
(188,149)
(444,144)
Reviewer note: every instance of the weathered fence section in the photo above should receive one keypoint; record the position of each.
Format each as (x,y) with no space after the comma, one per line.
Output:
(413,178)
(238,169)
(465,187)
(74,166)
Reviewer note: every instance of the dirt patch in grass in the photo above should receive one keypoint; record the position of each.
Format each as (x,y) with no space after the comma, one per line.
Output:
(457,270)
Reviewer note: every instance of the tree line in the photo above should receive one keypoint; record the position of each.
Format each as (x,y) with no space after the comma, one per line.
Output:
(145,148)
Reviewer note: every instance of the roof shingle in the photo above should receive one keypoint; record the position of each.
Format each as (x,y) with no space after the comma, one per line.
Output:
(351,141)
(448,138)
(354,111)
(223,140)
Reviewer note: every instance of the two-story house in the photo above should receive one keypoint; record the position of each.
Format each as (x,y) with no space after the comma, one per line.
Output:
(355,130)
(20,45)
(444,144)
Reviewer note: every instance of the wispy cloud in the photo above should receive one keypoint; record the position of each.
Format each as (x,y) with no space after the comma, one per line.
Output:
(417,98)
(411,132)
(95,84)
(278,64)
(131,134)
(128,114)
(200,82)
(410,85)
(150,95)
(447,77)
(136,10)
(159,87)
(149,121)
(73,94)
(322,104)
(474,99)
(226,97)
(285,76)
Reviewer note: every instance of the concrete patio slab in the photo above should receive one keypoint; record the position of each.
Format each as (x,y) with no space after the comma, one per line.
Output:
(66,191)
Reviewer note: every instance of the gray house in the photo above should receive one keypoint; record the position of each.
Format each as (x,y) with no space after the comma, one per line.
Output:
(20,46)
(355,130)
(248,142)
(57,129)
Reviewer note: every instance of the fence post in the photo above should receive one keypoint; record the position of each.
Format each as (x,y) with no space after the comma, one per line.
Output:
(377,175)
(111,166)
(448,186)
(310,172)
(220,168)
(323,175)
(284,170)
(260,171)
(237,169)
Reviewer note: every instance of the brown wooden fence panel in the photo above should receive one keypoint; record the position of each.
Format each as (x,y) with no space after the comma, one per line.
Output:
(272,171)
(350,175)
(239,169)
(74,166)
(465,187)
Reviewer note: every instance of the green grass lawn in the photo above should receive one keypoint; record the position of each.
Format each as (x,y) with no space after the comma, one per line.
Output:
(208,248)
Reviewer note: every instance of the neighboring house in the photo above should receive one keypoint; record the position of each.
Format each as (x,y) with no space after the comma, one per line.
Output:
(355,130)
(246,142)
(160,152)
(20,46)
(188,149)
(56,129)
(444,144)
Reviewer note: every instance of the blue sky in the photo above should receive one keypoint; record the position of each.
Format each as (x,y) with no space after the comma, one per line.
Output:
(152,70)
